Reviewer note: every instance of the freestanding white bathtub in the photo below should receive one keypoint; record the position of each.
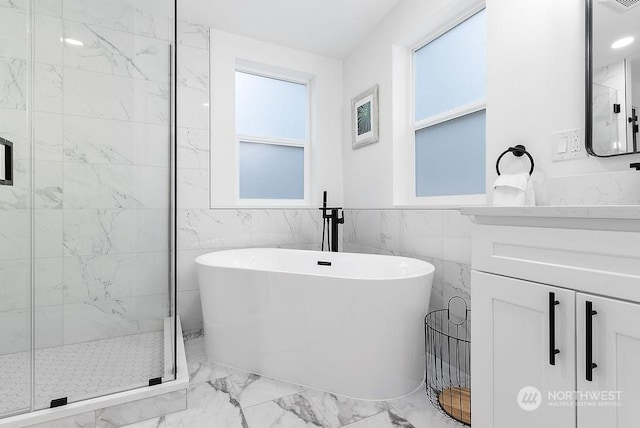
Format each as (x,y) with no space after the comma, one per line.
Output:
(353,328)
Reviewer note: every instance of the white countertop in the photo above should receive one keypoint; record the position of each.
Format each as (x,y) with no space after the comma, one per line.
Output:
(617,212)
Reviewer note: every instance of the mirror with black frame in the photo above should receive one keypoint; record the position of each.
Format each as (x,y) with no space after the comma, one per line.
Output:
(613,77)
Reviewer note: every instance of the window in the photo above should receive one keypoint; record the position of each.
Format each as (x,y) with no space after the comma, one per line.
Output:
(272,134)
(449,74)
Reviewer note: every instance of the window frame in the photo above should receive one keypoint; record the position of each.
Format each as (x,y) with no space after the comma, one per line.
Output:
(458,112)
(291,142)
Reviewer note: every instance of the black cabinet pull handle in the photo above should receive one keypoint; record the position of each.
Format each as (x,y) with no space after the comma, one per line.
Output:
(552,329)
(589,340)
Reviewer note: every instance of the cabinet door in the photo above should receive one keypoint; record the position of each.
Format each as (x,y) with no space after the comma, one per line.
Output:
(616,352)
(511,350)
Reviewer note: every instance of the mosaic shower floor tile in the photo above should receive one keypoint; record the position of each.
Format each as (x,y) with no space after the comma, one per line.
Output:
(82,370)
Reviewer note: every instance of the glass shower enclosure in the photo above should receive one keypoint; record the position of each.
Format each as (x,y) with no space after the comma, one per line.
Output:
(87,293)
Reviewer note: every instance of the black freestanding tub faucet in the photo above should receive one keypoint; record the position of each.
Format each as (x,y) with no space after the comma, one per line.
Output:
(331,218)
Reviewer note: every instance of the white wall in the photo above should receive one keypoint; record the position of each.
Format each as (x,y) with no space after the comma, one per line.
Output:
(325,96)
(368,171)
(440,237)
(535,87)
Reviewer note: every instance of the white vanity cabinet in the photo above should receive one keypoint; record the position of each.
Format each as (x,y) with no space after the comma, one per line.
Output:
(538,280)
(616,352)
(510,350)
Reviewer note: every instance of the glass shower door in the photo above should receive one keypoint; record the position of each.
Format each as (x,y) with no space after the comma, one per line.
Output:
(15,210)
(86,290)
(101,197)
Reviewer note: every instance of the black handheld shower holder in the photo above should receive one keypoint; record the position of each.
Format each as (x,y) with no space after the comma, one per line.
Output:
(332,218)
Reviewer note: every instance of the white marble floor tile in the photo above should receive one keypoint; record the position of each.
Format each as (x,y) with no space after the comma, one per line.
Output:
(293,411)
(200,368)
(418,409)
(387,419)
(267,403)
(253,389)
(340,411)
(209,404)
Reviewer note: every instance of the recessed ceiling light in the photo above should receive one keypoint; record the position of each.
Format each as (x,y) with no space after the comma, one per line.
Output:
(205,104)
(73,42)
(622,42)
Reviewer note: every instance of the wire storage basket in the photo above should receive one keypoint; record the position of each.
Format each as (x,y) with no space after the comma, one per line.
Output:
(448,351)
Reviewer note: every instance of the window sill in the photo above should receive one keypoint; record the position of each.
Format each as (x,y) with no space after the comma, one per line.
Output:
(443,202)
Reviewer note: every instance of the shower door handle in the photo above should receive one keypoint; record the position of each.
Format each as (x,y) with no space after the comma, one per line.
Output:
(6,162)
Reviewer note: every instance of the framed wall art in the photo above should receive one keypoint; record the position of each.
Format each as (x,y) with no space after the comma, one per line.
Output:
(364,117)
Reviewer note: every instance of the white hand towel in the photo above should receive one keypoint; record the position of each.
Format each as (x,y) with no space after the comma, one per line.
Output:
(511,190)
(530,194)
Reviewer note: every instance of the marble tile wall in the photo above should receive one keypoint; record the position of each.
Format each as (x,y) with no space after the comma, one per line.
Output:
(15,201)
(101,161)
(115,174)
(440,237)
(192,162)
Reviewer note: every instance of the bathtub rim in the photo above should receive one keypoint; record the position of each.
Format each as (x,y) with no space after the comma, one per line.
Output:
(199,262)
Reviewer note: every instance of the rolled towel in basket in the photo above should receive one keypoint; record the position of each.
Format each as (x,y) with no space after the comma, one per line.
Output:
(514,190)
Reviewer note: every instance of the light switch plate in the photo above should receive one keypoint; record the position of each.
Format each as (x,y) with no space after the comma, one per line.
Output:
(567,145)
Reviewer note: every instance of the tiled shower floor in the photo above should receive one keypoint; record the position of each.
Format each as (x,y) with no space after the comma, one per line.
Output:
(82,370)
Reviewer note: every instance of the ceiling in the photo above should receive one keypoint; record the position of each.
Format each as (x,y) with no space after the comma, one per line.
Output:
(326,27)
